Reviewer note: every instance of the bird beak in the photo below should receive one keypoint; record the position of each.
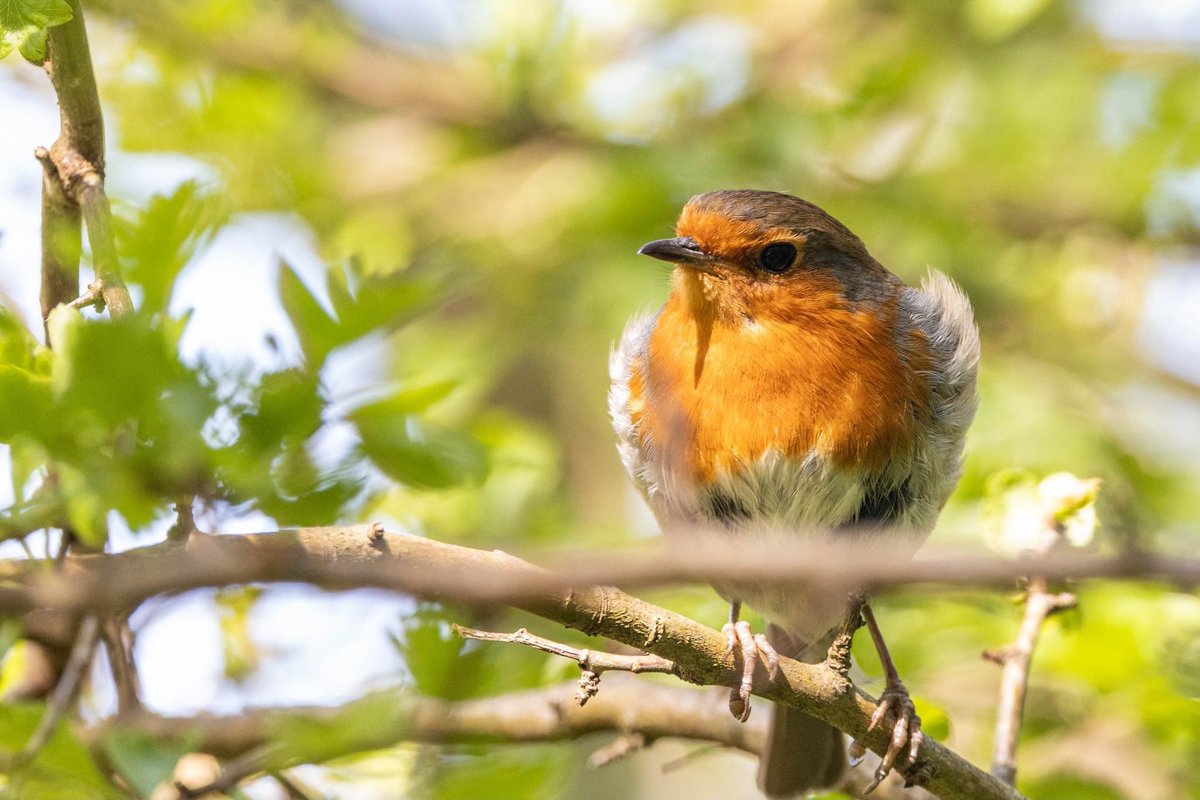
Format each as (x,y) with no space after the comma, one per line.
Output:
(682,250)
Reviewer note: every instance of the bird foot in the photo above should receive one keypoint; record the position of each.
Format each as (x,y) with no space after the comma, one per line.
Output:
(905,733)
(746,649)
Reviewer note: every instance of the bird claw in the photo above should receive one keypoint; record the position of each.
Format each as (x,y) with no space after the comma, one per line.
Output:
(747,648)
(907,730)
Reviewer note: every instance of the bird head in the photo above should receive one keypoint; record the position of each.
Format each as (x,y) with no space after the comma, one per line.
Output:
(759,255)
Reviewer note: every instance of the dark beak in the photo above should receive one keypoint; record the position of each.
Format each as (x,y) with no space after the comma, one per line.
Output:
(682,250)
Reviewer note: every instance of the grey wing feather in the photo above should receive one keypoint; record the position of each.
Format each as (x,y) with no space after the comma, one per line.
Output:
(621,363)
(943,313)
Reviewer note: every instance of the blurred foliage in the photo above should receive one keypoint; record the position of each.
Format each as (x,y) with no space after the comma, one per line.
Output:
(477,177)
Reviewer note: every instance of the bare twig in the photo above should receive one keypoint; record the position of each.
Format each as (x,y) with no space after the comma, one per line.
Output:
(621,747)
(295,789)
(64,692)
(92,296)
(1015,659)
(118,644)
(591,663)
(236,770)
(185,517)
(1059,499)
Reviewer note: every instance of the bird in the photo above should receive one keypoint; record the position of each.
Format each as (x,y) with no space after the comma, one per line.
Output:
(791,386)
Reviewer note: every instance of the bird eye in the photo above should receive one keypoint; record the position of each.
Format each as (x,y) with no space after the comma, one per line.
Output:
(777,257)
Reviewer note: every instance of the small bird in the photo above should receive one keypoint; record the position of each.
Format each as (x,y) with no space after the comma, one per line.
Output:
(793,386)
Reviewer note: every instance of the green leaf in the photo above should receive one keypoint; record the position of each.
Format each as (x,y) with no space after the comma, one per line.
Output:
(22,19)
(360,305)
(33,49)
(363,304)
(117,370)
(315,328)
(17,345)
(234,606)
(87,504)
(63,769)
(413,453)
(1062,784)
(161,240)
(26,404)
(935,722)
(145,761)
(373,721)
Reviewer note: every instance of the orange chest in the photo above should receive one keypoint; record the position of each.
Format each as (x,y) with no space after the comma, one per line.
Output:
(714,395)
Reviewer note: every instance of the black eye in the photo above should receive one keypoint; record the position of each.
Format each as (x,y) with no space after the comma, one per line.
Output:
(777,257)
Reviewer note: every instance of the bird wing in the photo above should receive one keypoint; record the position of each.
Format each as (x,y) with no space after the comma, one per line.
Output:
(943,313)
(628,356)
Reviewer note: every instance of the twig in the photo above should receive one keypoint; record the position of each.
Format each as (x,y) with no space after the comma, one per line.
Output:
(295,789)
(233,772)
(621,747)
(591,663)
(118,644)
(97,217)
(64,691)
(1014,680)
(185,517)
(91,297)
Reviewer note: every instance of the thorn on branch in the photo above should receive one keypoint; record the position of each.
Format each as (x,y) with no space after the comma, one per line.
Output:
(94,297)
(375,532)
(42,154)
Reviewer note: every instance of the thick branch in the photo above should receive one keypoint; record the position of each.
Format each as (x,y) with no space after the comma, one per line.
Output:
(349,557)
(340,557)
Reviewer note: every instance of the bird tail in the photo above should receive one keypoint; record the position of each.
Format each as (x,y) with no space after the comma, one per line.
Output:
(802,752)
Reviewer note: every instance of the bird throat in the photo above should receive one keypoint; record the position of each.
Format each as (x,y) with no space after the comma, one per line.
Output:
(721,386)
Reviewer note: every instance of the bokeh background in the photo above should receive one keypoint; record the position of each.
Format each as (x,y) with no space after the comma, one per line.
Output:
(361,217)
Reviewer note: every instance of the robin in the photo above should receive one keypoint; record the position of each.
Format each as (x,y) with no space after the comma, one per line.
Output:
(793,386)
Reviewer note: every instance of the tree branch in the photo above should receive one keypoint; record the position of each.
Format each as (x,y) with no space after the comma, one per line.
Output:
(78,159)
(61,244)
(356,556)
(626,707)
(351,557)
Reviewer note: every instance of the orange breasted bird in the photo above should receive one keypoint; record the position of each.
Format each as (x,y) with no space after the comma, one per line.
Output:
(793,386)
